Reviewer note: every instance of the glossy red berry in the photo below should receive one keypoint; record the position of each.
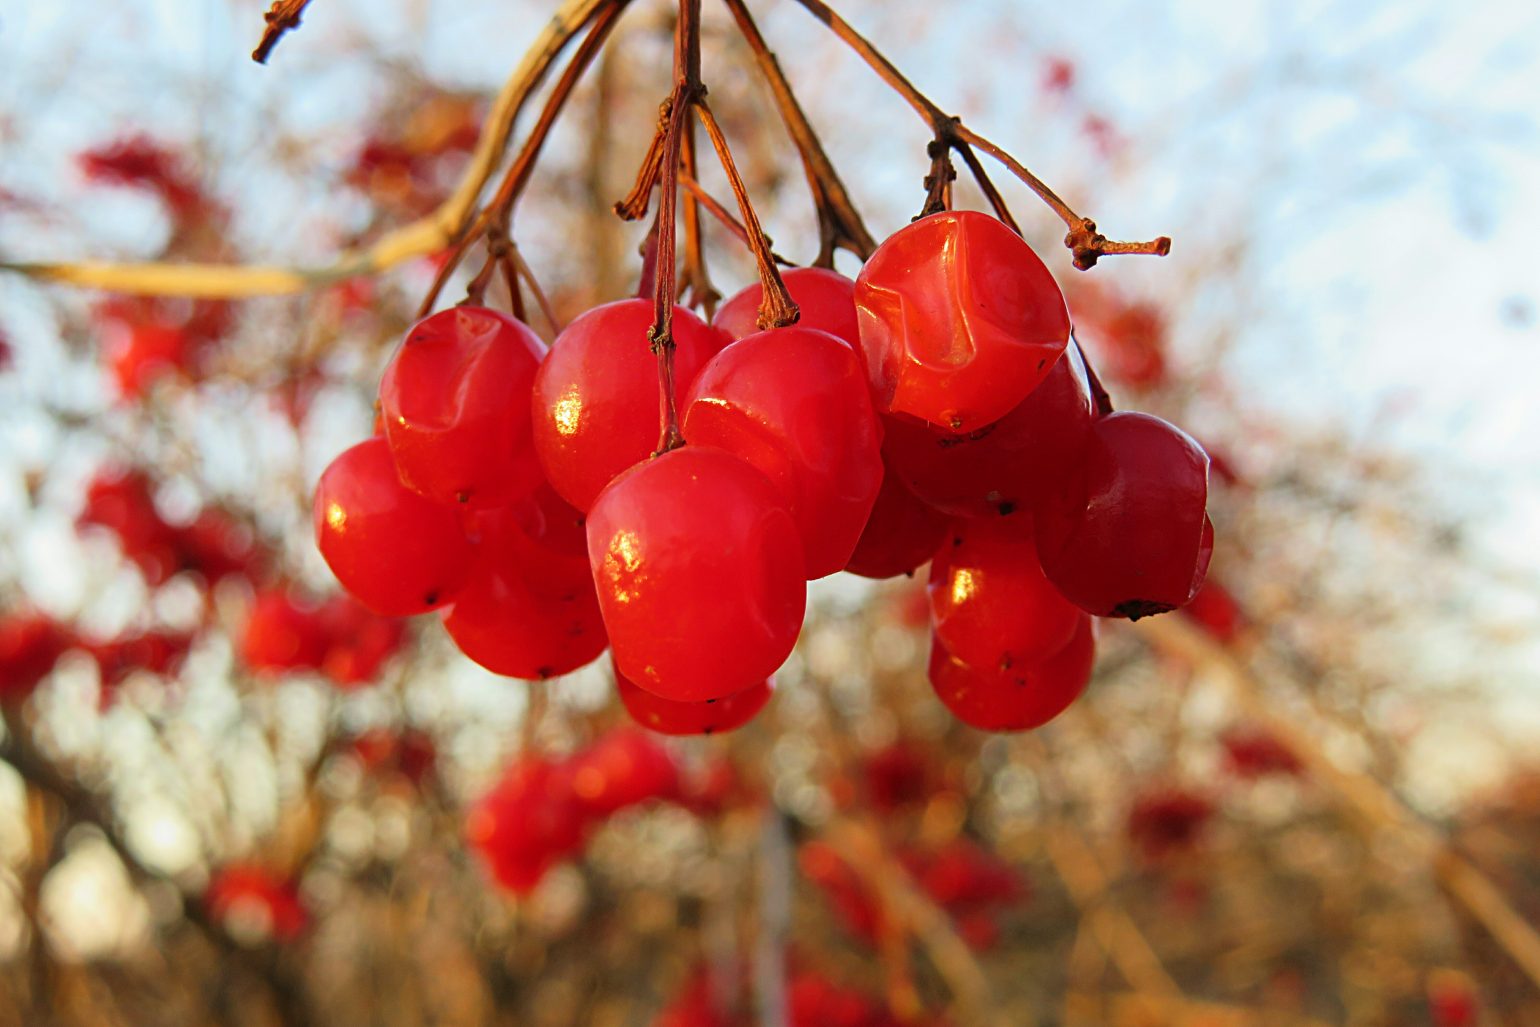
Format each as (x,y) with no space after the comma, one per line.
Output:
(526,610)
(1002,466)
(396,552)
(793,403)
(990,603)
(1020,697)
(901,533)
(597,401)
(713,716)
(826,300)
(959,320)
(1127,535)
(700,574)
(454,403)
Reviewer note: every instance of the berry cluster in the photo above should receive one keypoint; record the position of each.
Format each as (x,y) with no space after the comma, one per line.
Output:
(933,409)
(542,811)
(255,904)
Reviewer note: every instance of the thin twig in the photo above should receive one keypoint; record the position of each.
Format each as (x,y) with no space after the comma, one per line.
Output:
(426,235)
(1083,240)
(776,307)
(839,223)
(283,16)
(722,214)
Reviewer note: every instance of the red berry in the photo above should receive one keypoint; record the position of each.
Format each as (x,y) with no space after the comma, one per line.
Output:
(901,533)
(622,768)
(826,299)
(991,604)
(1127,535)
(700,574)
(959,320)
(597,401)
(358,641)
(281,635)
(254,900)
(793,403)
(1020,697)
(692,718)
(526,610)
(1002,466)
(30,644)
(396,552)
(454,400)
(1216,611)
(139,353)
(1168,820)
(527,823)
(121,502)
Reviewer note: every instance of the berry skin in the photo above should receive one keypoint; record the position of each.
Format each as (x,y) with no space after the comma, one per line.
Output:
(900,535)
(281,635)
(827,300)
(692,718)
(396,552)
(700,574)
(1002,466)
(526,610)
(959,320)
(453,401)
(793,403)
(596,398)
(1127,535)
(991,605)
(1021,697)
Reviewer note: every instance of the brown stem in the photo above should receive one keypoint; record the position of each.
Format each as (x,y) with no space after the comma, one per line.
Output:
(499,210)
(687,90)
(839,224)
(527,273)
(701,293)
(723,215)
(1083,240)
(987,186)
(776,307)
(283,16)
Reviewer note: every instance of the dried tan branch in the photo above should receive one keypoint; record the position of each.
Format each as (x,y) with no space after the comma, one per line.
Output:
(428,234)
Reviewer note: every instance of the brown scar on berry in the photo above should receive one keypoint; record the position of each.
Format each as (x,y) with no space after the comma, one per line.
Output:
(1134,609)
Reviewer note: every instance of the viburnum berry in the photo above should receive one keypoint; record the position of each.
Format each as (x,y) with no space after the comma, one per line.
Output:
(990,603)
(826,299)
(139,353)
(121,501)
(281,634)
(700,574)
(1127,535)
(597,398)
(713,716)
(253,902)
(526,610)
(1020,697)
(396,552)
(621,768)
(454,401)
(530,821)
(959,320)
(1005,465)
(30,644)
(793,403)
(901,533)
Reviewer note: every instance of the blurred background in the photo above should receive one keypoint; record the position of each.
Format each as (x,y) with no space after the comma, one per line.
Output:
(228,795)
